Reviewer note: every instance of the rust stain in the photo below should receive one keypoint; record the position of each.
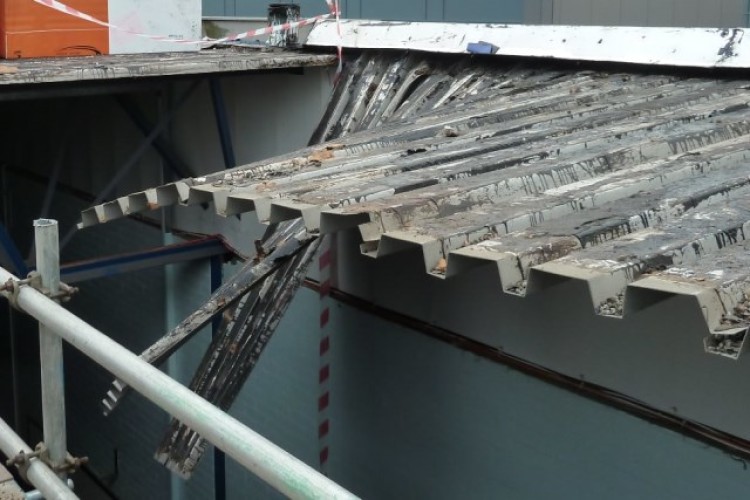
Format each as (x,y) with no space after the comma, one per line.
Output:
(730,49)
(320,155)
(442,266)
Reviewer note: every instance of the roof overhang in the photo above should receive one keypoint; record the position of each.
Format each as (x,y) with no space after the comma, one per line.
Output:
(693,47)
(20,78)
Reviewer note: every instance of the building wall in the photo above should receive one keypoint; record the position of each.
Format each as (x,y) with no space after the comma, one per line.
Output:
(417,418)
(137,308)
(656,356)
(413,417)
(507,11)
(723,13)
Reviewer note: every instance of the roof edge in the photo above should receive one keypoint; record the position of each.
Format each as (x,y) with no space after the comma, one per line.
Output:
(687,47)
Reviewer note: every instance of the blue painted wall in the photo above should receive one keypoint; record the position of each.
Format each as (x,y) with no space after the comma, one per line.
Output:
(413,417)
(407,10)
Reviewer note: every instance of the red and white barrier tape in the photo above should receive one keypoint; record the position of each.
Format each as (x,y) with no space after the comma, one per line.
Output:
(325,265)
(274,29)
(61,7)
(335,7)
(340,47)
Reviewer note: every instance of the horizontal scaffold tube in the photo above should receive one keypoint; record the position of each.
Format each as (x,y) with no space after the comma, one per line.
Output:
(278,468)
(38,473)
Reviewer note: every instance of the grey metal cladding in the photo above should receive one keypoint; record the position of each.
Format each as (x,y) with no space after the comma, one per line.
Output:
(397,10)
(635,182)
(688,13)
(723,13)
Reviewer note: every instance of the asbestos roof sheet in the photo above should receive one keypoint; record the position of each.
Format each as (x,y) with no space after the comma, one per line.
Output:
(636,182)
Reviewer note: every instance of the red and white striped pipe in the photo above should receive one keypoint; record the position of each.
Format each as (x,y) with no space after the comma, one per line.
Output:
(325,267)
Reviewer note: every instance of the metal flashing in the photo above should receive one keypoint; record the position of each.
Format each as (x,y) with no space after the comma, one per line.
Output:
(694,47)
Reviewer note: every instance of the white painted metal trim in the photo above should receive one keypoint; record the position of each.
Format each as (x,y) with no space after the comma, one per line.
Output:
(693,47)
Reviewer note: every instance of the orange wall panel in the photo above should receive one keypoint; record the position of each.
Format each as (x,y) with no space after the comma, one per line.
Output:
(28,29)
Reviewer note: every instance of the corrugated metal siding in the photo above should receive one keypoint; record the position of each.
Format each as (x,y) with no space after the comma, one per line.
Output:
(414,418)
(511,11)
(724,13)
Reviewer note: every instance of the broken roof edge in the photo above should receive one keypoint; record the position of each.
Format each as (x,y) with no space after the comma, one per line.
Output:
(686,47)
(138,67)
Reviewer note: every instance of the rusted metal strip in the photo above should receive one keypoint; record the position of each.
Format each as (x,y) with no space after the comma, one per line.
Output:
(278,247)
(234,353)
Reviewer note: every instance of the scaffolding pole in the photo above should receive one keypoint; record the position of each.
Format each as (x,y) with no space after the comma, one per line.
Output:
(37,473)
(275,466)
(46,237)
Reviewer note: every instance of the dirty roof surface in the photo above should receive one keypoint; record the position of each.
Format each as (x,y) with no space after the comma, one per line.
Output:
(138,66)
(637,183)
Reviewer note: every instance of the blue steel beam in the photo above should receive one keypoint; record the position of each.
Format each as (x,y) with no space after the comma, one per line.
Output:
(212,246)
(220,459)
(222,123)
(9,253)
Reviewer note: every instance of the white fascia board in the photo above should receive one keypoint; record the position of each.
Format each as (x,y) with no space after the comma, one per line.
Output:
(692,47)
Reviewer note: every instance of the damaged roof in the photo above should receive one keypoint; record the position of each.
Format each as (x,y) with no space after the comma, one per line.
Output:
(636,182)
(34,72)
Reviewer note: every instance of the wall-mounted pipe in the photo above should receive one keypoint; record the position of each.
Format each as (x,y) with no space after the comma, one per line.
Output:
(278,468)
(38,473)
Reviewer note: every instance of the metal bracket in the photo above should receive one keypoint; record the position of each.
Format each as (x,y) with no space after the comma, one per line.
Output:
(23,460)
(13,287)
(71,465)
(34,280)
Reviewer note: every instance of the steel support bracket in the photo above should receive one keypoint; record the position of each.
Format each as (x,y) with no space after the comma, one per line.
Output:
(23,460)
(13,287)
(71,466)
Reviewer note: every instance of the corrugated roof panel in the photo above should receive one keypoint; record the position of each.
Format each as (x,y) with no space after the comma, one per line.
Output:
(636,183)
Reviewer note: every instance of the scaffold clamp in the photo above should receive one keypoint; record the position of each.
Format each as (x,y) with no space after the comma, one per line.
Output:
(34,280)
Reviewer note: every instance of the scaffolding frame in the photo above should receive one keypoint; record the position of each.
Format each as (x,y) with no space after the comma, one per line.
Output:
(285,473)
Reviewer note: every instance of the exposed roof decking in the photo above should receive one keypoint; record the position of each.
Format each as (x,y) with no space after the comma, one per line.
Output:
(638,184)
(137,66)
